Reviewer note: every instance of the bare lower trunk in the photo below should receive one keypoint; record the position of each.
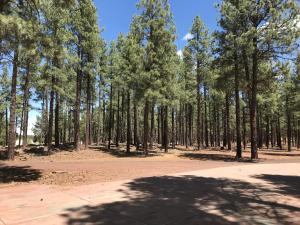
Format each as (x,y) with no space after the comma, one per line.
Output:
(13,105)
(253,105)
(146,126)
(128,123)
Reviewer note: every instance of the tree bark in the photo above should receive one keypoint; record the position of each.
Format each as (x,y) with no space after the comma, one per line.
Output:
(118,121)
(152,126)
(110,117)
(51,115)
(77,106)
(128,123)
(25,105)
(166,130)
(173,129)
(253,105)
(228,123)
(57,110)
(13,105)
(146,126)
(237,107)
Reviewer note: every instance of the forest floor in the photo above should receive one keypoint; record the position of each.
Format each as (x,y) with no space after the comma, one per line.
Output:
(73,168)
(177,188)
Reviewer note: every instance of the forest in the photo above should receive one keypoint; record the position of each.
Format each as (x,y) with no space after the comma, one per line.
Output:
(235,88)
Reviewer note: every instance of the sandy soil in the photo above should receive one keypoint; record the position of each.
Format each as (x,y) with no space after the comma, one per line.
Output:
(95,165)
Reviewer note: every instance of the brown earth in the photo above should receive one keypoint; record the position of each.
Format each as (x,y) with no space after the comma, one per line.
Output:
(67,167)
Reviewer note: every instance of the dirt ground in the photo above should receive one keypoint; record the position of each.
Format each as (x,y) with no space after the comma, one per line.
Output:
(94,165)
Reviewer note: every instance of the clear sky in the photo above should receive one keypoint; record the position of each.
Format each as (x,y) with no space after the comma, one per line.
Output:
(115,17)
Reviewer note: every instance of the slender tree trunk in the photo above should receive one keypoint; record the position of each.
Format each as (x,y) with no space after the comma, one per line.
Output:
(278,132)
(128,123)
(6,126)
(298,135)
(205,118)
(21,126)
(224,127)
(237,107)
(244,128)
(198,105)
(103,119)
(13,105)
(166,130)
(25,105)
(146,126)
(253,105)
(267,131)
(118,121)
(57,110)
(99,118)
(289,126)
(152,126)
(228,122)
(135,118)
(45,117)
(158,125)
(77,106)
(51,115)
(173,129)
(110,117)
(88,111)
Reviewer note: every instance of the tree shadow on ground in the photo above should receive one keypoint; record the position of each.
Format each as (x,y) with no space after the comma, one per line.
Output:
(189,200)
(41,151)
(216,157)
(281,154)
(10,174)
(121,153)
(289,185)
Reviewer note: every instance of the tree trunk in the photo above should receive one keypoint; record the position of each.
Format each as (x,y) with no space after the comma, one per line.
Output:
(51,115)
(166,130)
(99,118)
(173,129)
(278,132)
(77,106)
(13,105)
(198,105)
(228,122)
(135,118)
(224,127)
(237,107)
(152,126)
(110,116)
(128,123)
(146,126)
(267,131)
(205,117)
(158,126)
(88,112)
(289,127)
(118,121)
(253,105)
(6,126)
(25,105)
(56,129)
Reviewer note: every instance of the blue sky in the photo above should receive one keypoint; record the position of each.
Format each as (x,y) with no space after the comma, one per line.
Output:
(115,17)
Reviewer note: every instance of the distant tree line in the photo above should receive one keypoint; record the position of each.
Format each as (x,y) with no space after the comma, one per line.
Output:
(229,88)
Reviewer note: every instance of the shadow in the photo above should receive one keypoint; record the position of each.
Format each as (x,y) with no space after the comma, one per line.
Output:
(289,185)
(188,200)
(216,157)
(280,154)
(10,174)
(41,151)
(121,153)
